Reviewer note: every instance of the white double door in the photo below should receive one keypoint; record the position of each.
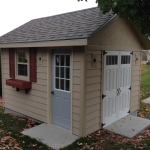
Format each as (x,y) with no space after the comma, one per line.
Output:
(117,82)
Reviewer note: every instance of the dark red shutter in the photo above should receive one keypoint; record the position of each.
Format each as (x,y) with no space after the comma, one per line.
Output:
(33,73)
(12,63)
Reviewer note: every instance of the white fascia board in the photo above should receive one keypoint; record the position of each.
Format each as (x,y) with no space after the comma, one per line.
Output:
(77,42)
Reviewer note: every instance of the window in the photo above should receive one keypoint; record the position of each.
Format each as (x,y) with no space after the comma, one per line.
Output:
(125,59)
(111,60)
(22,63)
(62,72)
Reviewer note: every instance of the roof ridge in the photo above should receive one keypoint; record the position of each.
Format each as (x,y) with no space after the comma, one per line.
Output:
(64,13)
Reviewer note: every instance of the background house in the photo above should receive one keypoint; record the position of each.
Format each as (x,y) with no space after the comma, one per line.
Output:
(148,56)
(79,70)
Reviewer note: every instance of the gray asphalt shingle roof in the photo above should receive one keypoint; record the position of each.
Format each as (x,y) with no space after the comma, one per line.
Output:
(74,25)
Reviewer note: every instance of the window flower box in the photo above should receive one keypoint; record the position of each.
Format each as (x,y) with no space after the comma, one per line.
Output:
(19,84)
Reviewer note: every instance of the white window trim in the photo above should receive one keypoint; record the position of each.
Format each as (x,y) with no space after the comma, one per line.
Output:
(62,78)
(26,78)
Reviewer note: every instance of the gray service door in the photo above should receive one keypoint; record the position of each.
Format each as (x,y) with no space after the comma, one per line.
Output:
(61,105)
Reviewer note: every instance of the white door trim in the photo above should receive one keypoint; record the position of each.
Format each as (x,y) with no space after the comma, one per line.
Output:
(49,81)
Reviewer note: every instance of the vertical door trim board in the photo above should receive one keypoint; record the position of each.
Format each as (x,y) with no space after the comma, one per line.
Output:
(131,59)
(49,84)
(3,101)
(140,76)
(131,78)
(71,90)
(83,89)
(102,89)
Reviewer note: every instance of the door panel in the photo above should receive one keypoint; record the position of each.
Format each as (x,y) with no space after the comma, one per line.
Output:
(110,87)
(125,79)
(109,112)
(67,109)
(57,111)
(61,104)
(117,78)
(123,101)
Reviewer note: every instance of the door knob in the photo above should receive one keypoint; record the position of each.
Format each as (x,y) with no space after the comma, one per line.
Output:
(52,92)
(119,91)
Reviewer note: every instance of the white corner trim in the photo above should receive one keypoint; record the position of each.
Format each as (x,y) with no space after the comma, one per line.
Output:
(49,103)
(78,42)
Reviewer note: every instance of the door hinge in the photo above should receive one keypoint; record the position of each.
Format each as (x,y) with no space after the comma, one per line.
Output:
(130,88)
(104,52)
(131,53)
(128,112)
(103,96)
(102,125)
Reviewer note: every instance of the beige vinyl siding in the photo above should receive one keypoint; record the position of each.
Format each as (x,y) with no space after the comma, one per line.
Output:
(77,90)
(93,91)
(135,81)
(116,35)
(33,104)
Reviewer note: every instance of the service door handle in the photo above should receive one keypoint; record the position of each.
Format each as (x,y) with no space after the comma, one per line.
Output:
(119,91)
(52,92)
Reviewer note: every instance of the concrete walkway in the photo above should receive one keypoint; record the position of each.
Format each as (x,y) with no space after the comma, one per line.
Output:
(147,100)
(128,126)
(51,135)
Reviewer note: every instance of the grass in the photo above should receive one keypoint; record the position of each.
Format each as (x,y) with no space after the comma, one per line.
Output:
(78,144)
(145,83)
(144,111)
(10,136)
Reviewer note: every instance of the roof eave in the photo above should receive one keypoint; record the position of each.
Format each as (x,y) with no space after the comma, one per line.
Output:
(73,42)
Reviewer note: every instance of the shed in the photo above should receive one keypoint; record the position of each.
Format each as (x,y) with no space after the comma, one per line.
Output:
(78,70)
